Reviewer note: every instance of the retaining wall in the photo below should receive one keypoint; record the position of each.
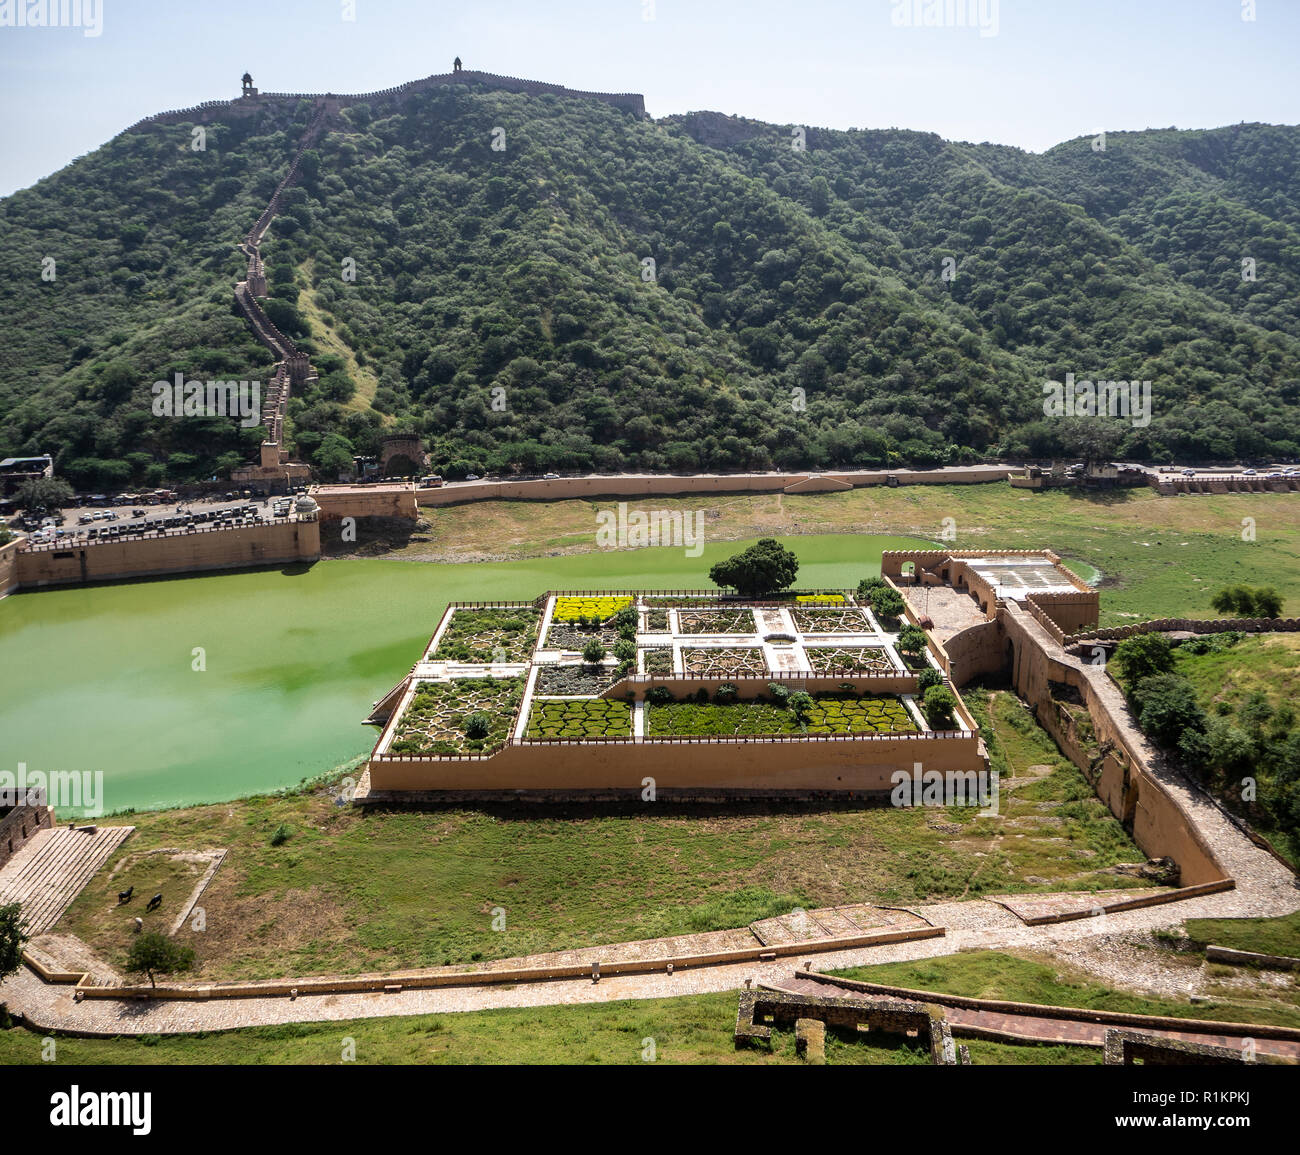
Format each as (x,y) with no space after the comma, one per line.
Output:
(9,568)
(649,485)
(862,764)
(216,549)
(1121,777)
(339,501)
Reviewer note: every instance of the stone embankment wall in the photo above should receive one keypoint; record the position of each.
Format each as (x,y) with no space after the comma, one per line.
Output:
(8,568)
(651,485)
(1187,625)
(1122,775)
(339,501)
(213,549)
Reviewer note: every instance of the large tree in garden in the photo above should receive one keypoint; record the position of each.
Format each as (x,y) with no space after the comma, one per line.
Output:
(763,568)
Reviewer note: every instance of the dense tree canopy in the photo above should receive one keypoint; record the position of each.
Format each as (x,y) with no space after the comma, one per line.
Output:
(609,293)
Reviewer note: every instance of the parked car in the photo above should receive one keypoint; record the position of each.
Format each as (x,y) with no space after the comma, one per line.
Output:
(1248,472)
(550,477)
(1189,473)
(471,477)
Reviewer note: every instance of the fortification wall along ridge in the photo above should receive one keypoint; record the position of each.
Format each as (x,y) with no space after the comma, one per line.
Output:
(271,544)
(210,110)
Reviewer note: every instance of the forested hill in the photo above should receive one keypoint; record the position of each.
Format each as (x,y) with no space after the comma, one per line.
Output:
(797,315)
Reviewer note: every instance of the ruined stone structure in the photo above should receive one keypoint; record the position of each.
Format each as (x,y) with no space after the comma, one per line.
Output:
(760,1010)
(1126,1048)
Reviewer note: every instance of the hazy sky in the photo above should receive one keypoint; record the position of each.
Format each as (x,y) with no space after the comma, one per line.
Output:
(1037,72)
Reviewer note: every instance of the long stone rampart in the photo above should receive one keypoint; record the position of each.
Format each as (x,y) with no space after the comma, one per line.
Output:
(684,485)
(293,541)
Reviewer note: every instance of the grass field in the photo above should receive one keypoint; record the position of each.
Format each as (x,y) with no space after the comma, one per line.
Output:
(1268,664)
(1047,982)
(690,1029)
(1157,556)
(1263,935)
(350,891)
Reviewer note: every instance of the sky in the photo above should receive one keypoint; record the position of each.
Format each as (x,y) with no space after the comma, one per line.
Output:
(1030,73)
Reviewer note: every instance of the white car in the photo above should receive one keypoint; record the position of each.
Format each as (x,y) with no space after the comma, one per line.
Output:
(1189,473)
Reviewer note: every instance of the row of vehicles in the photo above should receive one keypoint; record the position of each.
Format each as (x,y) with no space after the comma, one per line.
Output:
(231,516)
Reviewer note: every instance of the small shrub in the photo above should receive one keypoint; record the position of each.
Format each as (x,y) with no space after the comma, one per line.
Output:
(886,601)
(280,835)
(593,652)
(625,650)
(866,585)
(938,706)
(659,696)
(477,726)
(927,678)
(727,692)
(800,703)
(780,694)
(911,639)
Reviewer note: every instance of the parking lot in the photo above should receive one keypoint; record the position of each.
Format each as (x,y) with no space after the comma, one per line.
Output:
(94,523)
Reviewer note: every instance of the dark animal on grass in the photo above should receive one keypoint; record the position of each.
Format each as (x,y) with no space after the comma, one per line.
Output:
(154,903)
(124,896)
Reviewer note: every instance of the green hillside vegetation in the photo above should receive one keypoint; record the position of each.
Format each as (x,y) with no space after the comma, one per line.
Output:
(797,316)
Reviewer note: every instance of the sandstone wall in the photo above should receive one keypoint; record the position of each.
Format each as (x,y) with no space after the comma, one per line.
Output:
(1123,779)
(650,485)
(8,568)
(339,501)
(862,766)
(271,544)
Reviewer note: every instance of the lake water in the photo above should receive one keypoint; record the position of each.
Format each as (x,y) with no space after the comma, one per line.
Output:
(103,678)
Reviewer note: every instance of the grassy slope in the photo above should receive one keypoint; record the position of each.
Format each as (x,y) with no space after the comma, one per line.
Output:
(351,892)
(1042,980)
(1264,935)
(690,1029)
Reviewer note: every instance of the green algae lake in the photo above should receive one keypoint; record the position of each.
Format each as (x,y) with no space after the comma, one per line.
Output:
(104,678)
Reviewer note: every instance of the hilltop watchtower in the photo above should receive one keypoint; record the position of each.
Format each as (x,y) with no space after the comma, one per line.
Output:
(248,89)
(456,65)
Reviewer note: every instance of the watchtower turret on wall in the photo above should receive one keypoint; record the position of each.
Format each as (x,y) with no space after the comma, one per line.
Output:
(248,89)
(456,65)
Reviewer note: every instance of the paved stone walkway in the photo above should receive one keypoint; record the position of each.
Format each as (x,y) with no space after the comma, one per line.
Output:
(977,926)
